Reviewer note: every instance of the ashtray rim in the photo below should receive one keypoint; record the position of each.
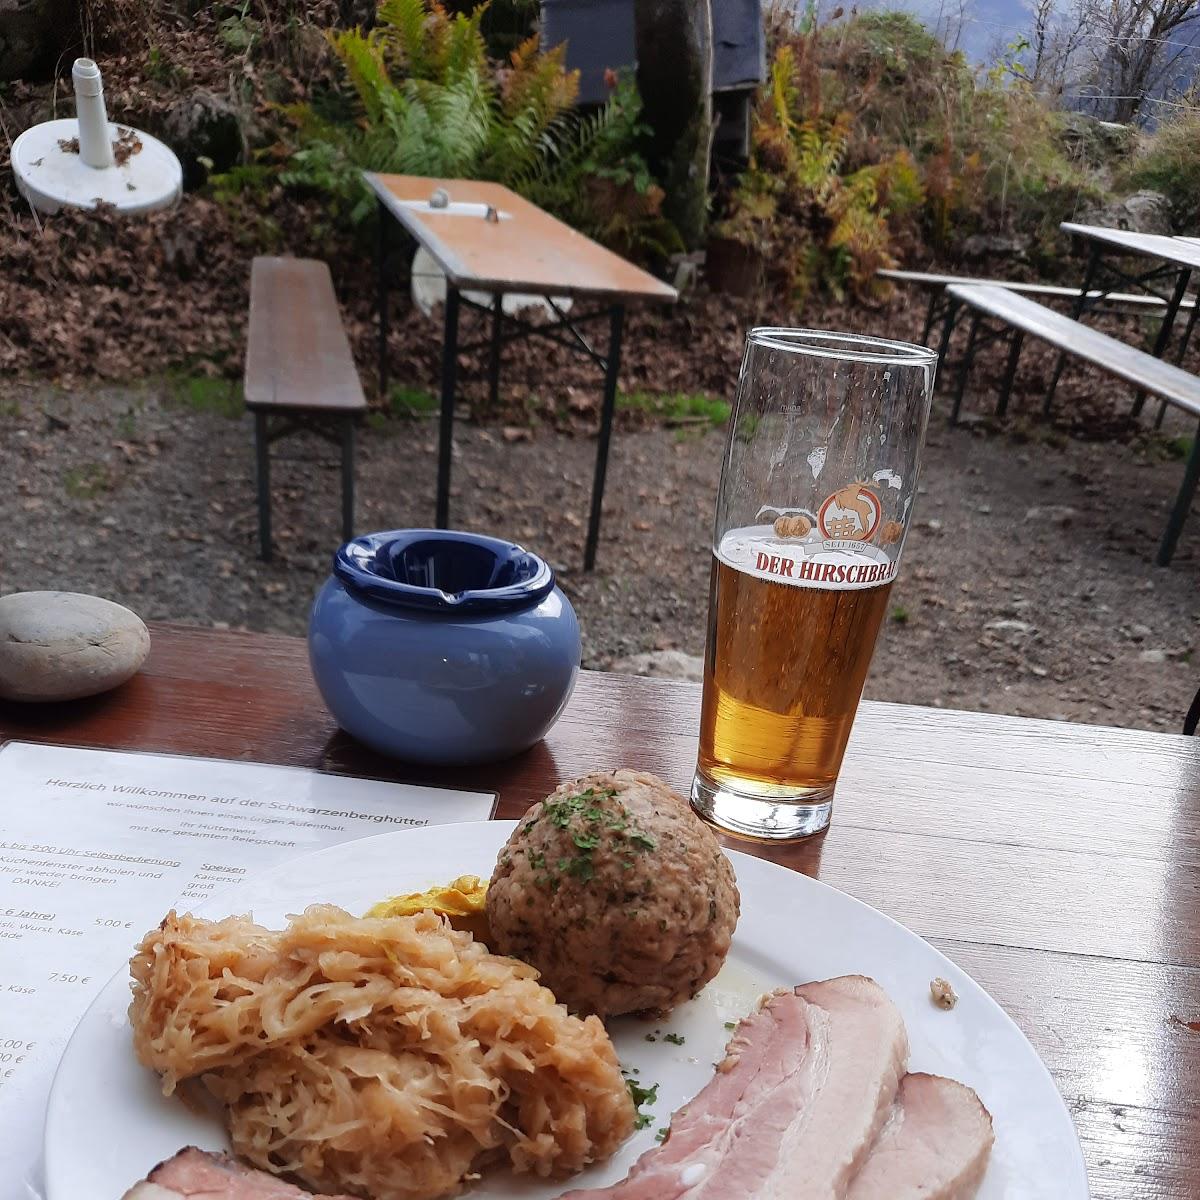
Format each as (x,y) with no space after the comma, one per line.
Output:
(364,564)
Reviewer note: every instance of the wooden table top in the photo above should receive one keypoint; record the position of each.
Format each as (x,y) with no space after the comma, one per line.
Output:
(1058,864)
(1183,252)
(526,250)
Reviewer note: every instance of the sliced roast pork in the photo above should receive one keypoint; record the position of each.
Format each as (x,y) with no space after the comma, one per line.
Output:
(934,1146)
(203,1175)
(793,1110)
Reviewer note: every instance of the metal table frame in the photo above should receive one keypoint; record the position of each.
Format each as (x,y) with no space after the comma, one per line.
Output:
(943,309)
(565,331)
(985,329)
(1098,270)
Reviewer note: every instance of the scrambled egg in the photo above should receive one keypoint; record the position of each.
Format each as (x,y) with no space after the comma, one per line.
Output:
(462,902)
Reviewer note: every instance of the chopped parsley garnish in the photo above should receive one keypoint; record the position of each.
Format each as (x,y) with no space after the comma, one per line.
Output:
(581,868)
(660,1135)
(674,1038)
(651,1038)
(640,1096)
(587,820)
(730,1024)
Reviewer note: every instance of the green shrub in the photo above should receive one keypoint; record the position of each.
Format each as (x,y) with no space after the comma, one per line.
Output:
(871,137)
(678,408)
(991,154)
(812,217)
(430,104)
(428,101)
(595,178)
(1169,162)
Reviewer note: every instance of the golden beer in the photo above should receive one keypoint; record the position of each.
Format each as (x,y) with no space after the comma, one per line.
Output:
(783,672)
(821,471)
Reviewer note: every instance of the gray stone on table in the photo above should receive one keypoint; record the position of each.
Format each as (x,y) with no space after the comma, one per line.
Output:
(67,645)
(664,664)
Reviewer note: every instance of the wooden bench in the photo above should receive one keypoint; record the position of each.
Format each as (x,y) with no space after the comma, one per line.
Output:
(300,374)
(1022,316)
(937,284)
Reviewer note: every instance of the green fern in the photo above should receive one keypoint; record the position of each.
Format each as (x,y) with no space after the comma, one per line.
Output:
(463,50)
(403,24)
(362,58)
(432,104)
(814,222)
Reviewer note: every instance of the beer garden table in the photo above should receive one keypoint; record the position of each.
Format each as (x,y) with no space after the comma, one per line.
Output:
(1056,863)
(520,250)
(1173,260)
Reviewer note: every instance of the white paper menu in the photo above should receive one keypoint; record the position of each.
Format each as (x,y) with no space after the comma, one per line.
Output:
(97,845)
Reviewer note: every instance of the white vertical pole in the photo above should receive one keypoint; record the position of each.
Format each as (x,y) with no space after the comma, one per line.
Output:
(95,142)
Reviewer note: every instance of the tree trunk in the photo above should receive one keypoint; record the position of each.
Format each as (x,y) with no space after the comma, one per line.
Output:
(674,76)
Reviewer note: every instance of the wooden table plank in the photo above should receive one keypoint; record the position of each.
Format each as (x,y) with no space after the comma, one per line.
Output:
(1164,379)
(1181,251)
(932,280)
(1056,863)
(526,251)
(297,352)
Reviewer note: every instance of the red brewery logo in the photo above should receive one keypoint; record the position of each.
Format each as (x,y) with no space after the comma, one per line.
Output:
(851,514)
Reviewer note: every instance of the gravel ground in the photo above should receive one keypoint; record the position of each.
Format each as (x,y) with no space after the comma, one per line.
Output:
(1027,587)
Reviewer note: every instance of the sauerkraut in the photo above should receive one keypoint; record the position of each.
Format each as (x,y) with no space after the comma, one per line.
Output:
(386,1057)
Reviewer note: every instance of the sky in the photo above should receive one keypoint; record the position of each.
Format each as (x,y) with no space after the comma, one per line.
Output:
(983,28)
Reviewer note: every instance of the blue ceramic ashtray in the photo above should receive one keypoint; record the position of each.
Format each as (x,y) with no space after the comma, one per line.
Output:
(443,647)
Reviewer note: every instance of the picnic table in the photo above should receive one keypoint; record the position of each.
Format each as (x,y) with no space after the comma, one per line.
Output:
(488,239)
(1174,259)
(1056,863)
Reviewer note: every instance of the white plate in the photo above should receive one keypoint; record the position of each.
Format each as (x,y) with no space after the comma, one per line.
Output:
(108,1124)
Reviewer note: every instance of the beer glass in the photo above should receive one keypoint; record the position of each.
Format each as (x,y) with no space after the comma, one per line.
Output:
(816,496)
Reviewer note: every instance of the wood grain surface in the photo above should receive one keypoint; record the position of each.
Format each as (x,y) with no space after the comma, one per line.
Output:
(1164,379)
(1183,252)
(1059,864)
(526,251)
(297,352)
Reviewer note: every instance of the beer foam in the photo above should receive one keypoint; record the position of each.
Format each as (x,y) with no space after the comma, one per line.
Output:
(833,564)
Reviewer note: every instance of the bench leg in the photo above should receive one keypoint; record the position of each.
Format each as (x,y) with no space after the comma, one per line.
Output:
(446,426)
(951,316)
(930,316)
(612,368)
(1184,342)
(1076,313)
(1059,364)
(262,454)
(1164,336)
(1010,371)
(1187,333)
(347,478)
(1183,504)
(964,368)
(494,355)
(381,293)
